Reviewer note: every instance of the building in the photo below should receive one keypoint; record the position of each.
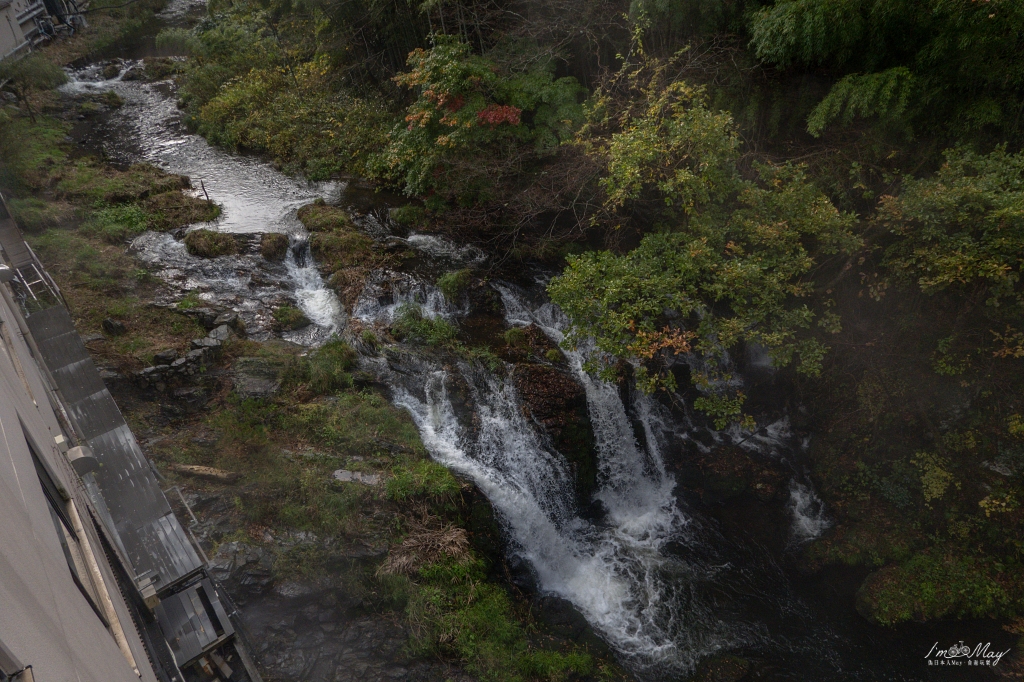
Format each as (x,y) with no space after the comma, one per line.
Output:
(99,581)
(22,25)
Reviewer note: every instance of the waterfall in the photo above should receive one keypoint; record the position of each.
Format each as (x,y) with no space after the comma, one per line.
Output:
(648,604)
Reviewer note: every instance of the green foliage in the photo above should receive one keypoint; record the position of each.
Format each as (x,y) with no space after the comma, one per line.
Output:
(946,66)
(962,229)
(325,370)
(289,318)
(36,215)
(934,585)
(452,284)
(29,151)
(456,612)
(117,224)
(22,77)
(412,325)
(468,107)
(676,154)
(209,244)
(356,423)
(423,478)
(712,285)
(884,95)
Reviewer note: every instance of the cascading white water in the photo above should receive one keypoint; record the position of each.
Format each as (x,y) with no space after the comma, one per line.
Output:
(808,513)
(386,292)
(615,571)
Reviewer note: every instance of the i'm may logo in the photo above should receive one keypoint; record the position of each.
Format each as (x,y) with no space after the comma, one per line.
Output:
(961,654)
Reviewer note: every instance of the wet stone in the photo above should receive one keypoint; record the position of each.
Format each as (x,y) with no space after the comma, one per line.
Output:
(230,319)
(346,476)
(222,333)
(165,357)
(113,327)
(256,378)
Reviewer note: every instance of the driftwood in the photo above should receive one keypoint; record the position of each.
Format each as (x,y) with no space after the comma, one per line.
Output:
(208,473)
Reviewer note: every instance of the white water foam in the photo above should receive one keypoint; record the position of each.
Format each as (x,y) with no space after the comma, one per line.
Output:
(616,571)
(386,292)
(808,512)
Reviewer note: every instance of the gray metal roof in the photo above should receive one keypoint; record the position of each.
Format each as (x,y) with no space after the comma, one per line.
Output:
(192,621)
(150,533)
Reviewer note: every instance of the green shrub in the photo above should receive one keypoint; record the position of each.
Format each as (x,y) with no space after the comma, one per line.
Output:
(411,325)
(325,370)
(934,585)
(452,284)
(210,244)
(409,214)
(117,224)
(456,612)
(424,478)
(289,318)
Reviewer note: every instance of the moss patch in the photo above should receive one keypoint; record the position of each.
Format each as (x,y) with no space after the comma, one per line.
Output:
(210,244)
(289,318)
(935,584)
(274,246)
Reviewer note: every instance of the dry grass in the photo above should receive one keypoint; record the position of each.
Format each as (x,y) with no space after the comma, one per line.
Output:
(429,541)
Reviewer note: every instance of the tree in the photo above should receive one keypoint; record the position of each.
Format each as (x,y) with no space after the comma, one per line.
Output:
(22,77)
(729,263)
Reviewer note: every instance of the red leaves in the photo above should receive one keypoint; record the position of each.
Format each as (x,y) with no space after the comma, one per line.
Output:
(496,114)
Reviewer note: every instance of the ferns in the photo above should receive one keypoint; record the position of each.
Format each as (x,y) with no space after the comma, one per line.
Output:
(808,31)
(885,95)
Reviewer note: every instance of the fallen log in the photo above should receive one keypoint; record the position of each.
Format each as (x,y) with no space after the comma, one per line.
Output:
(208,473)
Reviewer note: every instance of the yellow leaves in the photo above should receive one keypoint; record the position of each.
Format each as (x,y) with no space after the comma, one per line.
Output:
(647,344)
(1012,341)
(994,504)
(1015,425)
(935,478)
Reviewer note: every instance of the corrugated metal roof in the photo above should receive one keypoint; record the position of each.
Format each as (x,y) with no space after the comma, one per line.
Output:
(193,620)
(153,538)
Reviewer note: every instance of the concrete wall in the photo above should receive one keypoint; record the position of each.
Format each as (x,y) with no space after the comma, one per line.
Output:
(45,619)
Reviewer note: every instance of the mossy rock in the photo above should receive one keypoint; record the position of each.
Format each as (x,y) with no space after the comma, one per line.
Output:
(210,244)
(320,217)
(171,210)
(274,246)
(289,318)
(938,584)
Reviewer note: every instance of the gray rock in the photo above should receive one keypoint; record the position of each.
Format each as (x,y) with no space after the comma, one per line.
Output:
(207,344)
(222,333)
(165,357)
(256,378)
(113,327)
(230,319)
(205,316)
(179,363)
(346,476)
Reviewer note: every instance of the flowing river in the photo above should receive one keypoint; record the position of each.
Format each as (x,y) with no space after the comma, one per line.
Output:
(665,582)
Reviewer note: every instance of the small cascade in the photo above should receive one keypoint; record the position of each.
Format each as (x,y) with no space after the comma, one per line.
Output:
(644,600)
(254,198)
(317,302)
(386,292)
(808,513)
